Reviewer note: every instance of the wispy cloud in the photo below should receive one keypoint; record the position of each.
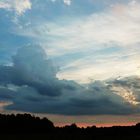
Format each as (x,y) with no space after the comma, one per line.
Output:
(118,24)
(18,6)
(97,65)
(115,27)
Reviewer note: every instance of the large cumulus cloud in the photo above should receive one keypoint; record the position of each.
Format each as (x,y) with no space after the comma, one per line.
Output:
(30,84)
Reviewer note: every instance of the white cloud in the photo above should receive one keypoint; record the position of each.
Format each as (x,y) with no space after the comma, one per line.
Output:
(127,94)
(67,2)
(101,67)
(118,25)
(127,88)
(4,5)
(19,6)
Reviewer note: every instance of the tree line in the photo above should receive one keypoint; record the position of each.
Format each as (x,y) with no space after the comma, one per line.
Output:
(28,124)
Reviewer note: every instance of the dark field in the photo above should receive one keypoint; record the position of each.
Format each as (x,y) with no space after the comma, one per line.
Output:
(23,127)
(69,137)
(64,137)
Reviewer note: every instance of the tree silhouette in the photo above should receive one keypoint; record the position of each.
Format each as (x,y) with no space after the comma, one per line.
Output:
(37,128)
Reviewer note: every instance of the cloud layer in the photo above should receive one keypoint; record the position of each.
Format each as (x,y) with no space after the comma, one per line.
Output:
(96,42)
(30,84)
(87,40)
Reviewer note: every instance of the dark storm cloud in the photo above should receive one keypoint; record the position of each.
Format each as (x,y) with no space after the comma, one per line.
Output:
(31,85)
(31,68)
(6,93)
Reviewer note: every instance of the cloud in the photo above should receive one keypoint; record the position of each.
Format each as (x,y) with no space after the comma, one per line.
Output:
(102,65)
(18,6)
(67,2)
(30,84)
(117,24)
(30,67)
(114,30)
(128,88)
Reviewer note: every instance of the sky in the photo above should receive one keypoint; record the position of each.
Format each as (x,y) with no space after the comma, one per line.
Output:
(71,60)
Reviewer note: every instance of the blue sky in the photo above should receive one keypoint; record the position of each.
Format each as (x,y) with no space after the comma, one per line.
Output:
(90,46)
(83,33)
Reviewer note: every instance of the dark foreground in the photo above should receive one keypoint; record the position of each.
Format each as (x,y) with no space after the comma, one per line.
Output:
(24,127)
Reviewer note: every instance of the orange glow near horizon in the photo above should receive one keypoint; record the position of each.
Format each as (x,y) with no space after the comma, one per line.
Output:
(97,124)
(93,120)
(87,120)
